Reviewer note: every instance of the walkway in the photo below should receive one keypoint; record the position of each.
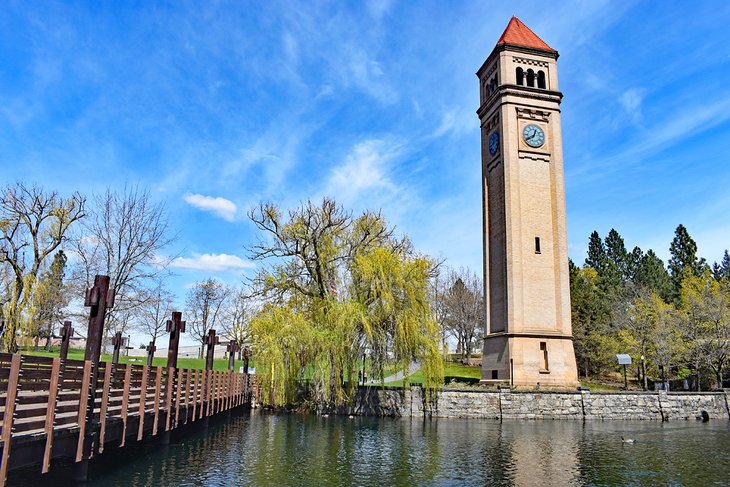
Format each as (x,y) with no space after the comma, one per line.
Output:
(412,369)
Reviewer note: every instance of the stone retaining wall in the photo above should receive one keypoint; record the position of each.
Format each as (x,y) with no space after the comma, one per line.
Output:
(506,404)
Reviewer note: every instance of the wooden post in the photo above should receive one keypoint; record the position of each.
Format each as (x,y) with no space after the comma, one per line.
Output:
(158,381)
(105,401)
(151,349)
(84,396)
(195,394)
(98,298)
(211,340)
(168,397)
(67,332)
(142,398)
(117,343)
(175,326)
(178,397)
(51,412)
(10,403)
(125,402)
(232,348)
(187,394)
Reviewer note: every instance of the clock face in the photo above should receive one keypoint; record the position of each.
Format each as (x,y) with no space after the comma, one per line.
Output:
(533,135)
(493,143)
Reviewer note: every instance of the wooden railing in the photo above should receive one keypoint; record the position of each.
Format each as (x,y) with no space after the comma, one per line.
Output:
(40,397)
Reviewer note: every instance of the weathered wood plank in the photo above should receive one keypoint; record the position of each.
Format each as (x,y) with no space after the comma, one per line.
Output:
(51,413)
(142,397)
(125,402)
(156,406)
(168,396)
(83,402)
(195,388)
(105,403)
(178,396)
(12,394)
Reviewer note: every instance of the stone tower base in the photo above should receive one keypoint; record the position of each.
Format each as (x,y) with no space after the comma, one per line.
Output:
(529,360)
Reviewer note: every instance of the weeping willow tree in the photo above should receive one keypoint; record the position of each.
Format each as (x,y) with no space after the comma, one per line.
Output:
(337,287)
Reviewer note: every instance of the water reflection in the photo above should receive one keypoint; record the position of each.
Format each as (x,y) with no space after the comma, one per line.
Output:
(273,450)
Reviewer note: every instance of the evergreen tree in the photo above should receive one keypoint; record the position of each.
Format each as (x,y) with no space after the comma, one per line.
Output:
(722,270)
(596,253)
(49,299)
(651,275)
(590,313)
(616,254)
(632,264)
(684,255)
(613,273)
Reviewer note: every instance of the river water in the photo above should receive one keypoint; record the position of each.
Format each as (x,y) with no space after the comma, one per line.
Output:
(261,449)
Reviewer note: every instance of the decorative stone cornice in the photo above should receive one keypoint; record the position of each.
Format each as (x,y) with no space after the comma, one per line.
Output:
(530,62)
(534,157)
(531,114)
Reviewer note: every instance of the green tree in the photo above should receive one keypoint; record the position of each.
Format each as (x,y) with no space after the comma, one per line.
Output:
(633,261)
(705,312)
(594,342)
(336,287)
(33,224)
(49,299)
(722,270)
(651,330)
(684,256)
(596,253)
(616,255)
(651,275)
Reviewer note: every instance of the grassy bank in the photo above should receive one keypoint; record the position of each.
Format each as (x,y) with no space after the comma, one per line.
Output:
(185,363)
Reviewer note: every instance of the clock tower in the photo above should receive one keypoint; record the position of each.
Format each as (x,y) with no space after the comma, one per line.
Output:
(527,290)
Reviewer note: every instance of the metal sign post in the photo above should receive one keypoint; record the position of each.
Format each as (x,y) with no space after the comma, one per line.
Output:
(624,359)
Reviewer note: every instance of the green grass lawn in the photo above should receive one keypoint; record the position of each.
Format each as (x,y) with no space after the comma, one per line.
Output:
(184,363)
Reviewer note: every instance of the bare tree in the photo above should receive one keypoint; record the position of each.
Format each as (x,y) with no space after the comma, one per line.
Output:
(310,245)
(235,325)
(205,308)
(463,310)
(123,238)
(156,310)
(33,224)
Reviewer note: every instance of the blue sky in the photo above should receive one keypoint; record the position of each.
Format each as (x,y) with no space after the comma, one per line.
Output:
(219,105)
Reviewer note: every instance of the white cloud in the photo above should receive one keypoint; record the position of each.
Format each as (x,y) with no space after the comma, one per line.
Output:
(222,207)
(456,121)
(366,169)
(212,262)
(631,101)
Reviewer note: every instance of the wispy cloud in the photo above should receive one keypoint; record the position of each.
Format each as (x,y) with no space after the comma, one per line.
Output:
(212,262)
(631,101)
(366,169)
(455,120)
(222,207)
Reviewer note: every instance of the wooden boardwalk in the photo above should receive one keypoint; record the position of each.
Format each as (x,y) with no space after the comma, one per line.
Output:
(44,404)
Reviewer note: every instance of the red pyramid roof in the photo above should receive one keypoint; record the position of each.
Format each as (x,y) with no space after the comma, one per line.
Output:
(519,34)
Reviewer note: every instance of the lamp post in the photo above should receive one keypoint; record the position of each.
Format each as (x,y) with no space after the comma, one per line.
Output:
(664,384)
(643,373)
